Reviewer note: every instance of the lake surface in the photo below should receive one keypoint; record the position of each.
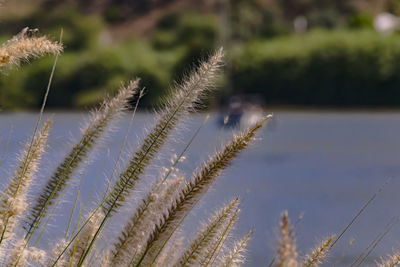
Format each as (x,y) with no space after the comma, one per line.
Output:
(324,165)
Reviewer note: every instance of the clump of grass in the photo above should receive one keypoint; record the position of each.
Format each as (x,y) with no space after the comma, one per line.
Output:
(182,100)
(151,236)
(147,237)
(207,239)
(191,193)
(100,119)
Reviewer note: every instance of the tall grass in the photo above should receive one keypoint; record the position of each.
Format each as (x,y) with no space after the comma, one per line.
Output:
(147,236)
(151,235)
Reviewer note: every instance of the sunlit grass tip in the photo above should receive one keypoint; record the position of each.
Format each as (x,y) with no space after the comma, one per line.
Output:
(287,255)
(100,119)
(390,261)
(14,198)
(26,45)
(236,256)
(140,225)
(192,193)
(206,239)
(319,253)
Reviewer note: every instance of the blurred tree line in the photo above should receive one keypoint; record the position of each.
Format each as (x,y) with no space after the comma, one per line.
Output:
(340,60)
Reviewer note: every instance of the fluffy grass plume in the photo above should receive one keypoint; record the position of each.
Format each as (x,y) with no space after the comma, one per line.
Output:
(182,100)
(137,230)
(172,251)
(192,192)
(214,249)
(390,261)
(82,242)
(105,261)
(319,253)
(236,257)
(100,119)
(287,252)
(151,237)
(208,237)
(13,200)
(19,256)
(25,46)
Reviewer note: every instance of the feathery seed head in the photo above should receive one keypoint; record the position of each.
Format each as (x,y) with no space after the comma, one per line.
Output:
(21,256)
(139,227)
(287,253)
(192,192)
(24,46)
(13,200)
(56,251)
(105,261)
(319,253)
(236,256)
(181,101)
(84,238)
(171,253)
(208,238)
(101,118)
(391,261)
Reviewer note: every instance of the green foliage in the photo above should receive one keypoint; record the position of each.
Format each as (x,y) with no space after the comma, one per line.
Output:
(341,60)
(361,20)
(194,34)
(321,68)
(113,14)
(84,78)
(250,19)
(80,30)
(88,69)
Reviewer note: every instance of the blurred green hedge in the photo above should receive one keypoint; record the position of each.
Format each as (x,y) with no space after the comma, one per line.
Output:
(341,68)
(83,79)
(89,68)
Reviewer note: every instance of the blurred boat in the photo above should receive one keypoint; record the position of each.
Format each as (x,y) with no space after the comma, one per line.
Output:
(240,113)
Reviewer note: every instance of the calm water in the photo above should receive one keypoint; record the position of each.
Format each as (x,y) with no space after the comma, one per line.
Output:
(323,164)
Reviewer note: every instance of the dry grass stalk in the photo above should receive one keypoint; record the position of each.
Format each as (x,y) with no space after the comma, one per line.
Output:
(23,47)
(236,258)
(13,200)
(287,251)
(207,239)
(319,253)
(100,119)
(192,193)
